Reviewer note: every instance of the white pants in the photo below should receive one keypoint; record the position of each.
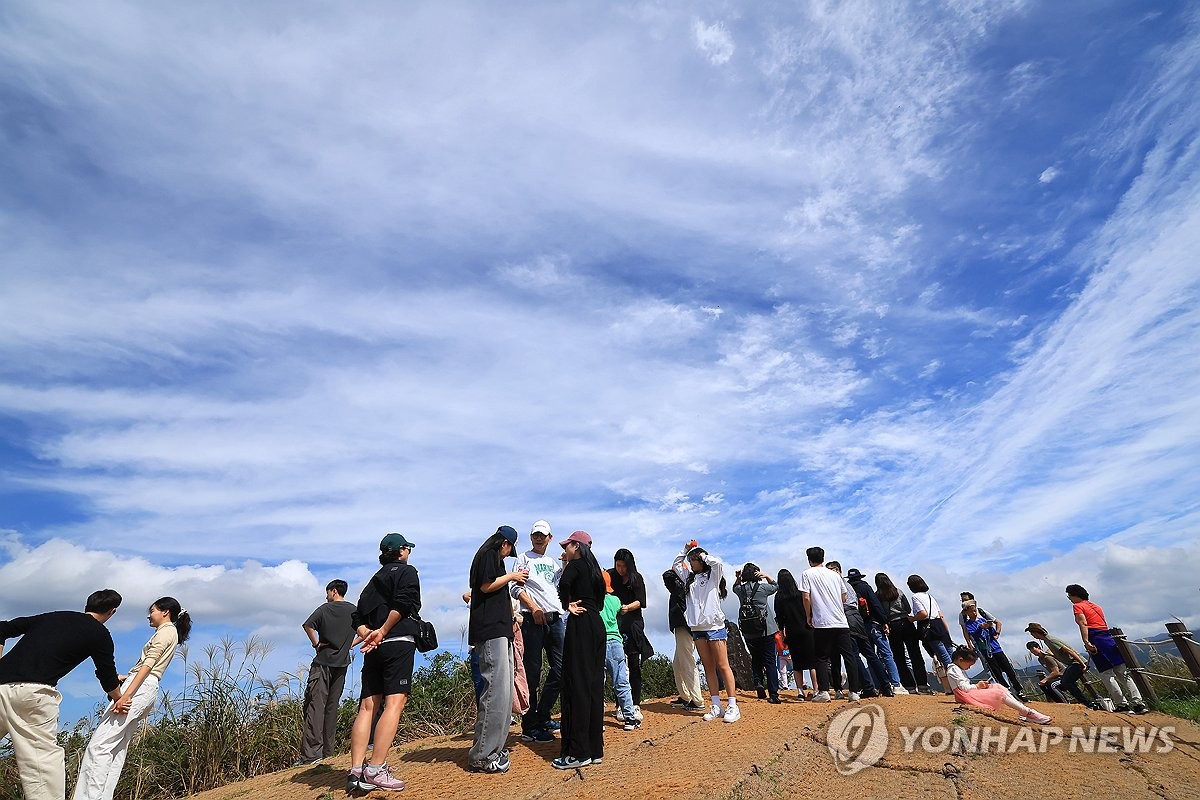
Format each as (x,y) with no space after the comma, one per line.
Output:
(29,713)
(687,675)
(105,754)
(1109,678)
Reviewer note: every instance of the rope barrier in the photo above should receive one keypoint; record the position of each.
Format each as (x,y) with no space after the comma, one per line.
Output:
(1167,677)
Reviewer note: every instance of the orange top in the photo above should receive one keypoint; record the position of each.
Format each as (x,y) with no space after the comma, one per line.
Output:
(1093,615)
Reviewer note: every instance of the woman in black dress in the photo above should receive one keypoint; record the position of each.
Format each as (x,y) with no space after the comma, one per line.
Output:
(630,589)
(581,590)
(789,613)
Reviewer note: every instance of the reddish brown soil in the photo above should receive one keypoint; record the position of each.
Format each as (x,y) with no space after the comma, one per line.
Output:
(777,751)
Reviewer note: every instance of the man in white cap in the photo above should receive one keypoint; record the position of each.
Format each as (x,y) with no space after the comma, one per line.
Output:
(543,627)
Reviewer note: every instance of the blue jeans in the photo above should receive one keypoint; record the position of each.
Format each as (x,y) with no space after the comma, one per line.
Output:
(537,638)
(875,670)
(938,649)
(884,648)
(617,666)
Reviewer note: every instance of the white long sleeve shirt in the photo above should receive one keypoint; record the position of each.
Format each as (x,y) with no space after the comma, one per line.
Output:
(703,610)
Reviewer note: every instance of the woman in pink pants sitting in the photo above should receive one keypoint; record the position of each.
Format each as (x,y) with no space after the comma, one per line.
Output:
(984,694)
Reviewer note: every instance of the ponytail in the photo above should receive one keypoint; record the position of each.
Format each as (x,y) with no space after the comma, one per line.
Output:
(178,615)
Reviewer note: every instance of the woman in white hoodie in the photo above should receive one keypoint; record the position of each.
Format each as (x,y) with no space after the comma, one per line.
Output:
(704,576)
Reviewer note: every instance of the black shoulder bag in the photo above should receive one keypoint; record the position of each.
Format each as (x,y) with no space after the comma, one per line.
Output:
(426,635)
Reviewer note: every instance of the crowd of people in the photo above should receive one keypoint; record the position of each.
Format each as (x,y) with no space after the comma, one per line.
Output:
(842,638)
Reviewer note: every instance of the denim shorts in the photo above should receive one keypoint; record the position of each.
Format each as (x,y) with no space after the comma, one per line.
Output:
(719,635)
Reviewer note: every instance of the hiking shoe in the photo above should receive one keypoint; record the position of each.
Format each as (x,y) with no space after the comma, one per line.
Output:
(716,712)
(854,697)
(899,690)
(570,762)
(733,713)
(380,777)
(820,697)
(540,735)
(630,725)
(354,780)
(637,713)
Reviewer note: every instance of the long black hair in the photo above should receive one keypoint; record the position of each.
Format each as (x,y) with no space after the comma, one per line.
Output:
(788,589)
(885,590)
(592,567)
(750,572)
(180,617)
(490,545)
(722,589)
(631,572)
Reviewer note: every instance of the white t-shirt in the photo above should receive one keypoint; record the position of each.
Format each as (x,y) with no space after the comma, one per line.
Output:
(825,591)
(544,572)
(923,601)
(958,678)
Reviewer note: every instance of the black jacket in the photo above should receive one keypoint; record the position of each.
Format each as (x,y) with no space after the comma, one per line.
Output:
(875,610)
(396,586)
(677,607)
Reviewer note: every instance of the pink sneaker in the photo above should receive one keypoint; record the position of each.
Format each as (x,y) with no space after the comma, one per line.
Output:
(1034,716)
(380,778)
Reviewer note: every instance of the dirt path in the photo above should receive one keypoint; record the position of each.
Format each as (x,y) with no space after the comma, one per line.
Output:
(780,751)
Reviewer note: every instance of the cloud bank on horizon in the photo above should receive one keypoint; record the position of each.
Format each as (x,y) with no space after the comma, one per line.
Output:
(917,283)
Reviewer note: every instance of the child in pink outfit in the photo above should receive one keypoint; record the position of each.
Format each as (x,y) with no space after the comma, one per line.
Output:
(984,694)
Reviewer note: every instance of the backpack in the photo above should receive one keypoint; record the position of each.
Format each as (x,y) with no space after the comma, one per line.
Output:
(751,620)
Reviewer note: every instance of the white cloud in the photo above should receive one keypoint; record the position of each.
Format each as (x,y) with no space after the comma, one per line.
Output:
(714,41)
(1049,174)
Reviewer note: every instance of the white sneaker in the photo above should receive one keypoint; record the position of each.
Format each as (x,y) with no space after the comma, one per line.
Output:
(637,713)
(854,697)
(733,714)
(899,690)
(620,715)
(716,712)
(820,697)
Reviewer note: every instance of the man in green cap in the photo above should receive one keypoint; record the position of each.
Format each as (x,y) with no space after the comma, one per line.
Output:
(386,621)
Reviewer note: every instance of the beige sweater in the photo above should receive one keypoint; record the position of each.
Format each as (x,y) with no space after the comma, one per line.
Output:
(159,651)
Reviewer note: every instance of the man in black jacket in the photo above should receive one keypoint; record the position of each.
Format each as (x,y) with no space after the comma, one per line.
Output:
(386,621)
(51,645)
(687,675)
(876,617)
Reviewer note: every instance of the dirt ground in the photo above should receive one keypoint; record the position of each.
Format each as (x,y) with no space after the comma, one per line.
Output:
(779,751)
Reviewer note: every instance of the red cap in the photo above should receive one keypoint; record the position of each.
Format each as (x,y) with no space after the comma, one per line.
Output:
(583,537)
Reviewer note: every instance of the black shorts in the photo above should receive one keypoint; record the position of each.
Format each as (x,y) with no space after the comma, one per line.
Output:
(388,669)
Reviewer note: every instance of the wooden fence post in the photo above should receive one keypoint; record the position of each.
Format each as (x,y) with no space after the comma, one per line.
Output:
(1131,661)
(1188,649)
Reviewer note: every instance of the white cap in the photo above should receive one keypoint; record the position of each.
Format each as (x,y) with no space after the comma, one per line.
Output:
(541,526)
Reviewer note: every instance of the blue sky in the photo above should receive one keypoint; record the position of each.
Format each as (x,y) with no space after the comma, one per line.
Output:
(913,282)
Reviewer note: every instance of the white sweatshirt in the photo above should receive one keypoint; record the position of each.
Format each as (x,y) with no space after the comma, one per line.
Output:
(703,611)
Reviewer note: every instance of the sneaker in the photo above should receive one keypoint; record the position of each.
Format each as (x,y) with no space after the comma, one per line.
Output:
(308,762)
(839,695)
(637,713)
(693,706)
(733,713)
(540,735)
(1140,708)
(774,700)
(551,725)
(570,762)
(354,780)
(630,725)
(867,693)
(380,777)
(899,690)
(854,697)
(597,760)
(678,702)
(620,715)
(762,694)
(716,712)
(1034,716)
(494,766)
(820,697)
(1123,708)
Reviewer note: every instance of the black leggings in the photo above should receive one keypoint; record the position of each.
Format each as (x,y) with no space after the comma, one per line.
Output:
(903,636)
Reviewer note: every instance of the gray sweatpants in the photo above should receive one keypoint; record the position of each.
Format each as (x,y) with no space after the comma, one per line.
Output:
(494,714)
